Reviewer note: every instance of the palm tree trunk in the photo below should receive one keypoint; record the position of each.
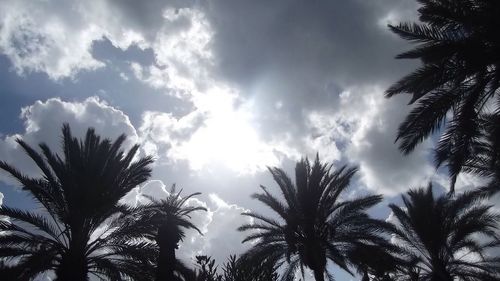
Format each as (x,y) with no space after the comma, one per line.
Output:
(365,276)
(319,275)
(166,264)
(440,272)
(316,258)
(73,267)
(166,260)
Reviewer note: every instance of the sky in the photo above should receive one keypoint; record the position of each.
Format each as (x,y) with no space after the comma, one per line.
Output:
(215,91)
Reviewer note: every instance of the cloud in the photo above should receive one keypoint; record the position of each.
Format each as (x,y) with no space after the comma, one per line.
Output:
(364,130)
(303,54)
(180,38)
(56,37)
(160,131)
(383,167)
(220,237)
(183,56)
(288,76)
(246,41)
(219,130)
(217,133)
(253,83)
(35,37)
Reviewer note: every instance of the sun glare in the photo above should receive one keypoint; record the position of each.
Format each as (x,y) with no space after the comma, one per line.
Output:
(227,138)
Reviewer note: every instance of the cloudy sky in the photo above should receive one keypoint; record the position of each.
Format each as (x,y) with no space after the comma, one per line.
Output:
(215,91)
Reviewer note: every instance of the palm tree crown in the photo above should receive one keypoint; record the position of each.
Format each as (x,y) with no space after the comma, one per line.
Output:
(439,236)
(315,225)
(78,192)
(459,48)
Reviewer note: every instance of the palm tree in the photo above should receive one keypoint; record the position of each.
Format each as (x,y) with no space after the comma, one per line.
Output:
(459,50)
(78,193)
(440,235)
(315,225)
(161,221)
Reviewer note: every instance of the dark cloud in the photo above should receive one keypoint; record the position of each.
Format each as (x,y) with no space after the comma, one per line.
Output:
(307,44)
(294,57)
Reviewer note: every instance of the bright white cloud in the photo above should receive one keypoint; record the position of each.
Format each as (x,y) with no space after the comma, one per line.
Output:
(161,131)
(182,54)
(37,38)
(220,237)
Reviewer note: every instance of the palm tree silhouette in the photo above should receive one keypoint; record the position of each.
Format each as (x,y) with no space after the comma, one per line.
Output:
(315,225)
(459,48)
(440,236)
(162,220)
(78,192)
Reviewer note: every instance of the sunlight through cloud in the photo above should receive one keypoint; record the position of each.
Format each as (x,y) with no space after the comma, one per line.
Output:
(227,137)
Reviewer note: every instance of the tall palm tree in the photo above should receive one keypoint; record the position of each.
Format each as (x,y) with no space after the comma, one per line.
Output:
(459,50)
(440,236)
(163,221)
(314,225)
(78,193)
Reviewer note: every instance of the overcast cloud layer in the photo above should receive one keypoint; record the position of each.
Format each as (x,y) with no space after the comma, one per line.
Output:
(215,91)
